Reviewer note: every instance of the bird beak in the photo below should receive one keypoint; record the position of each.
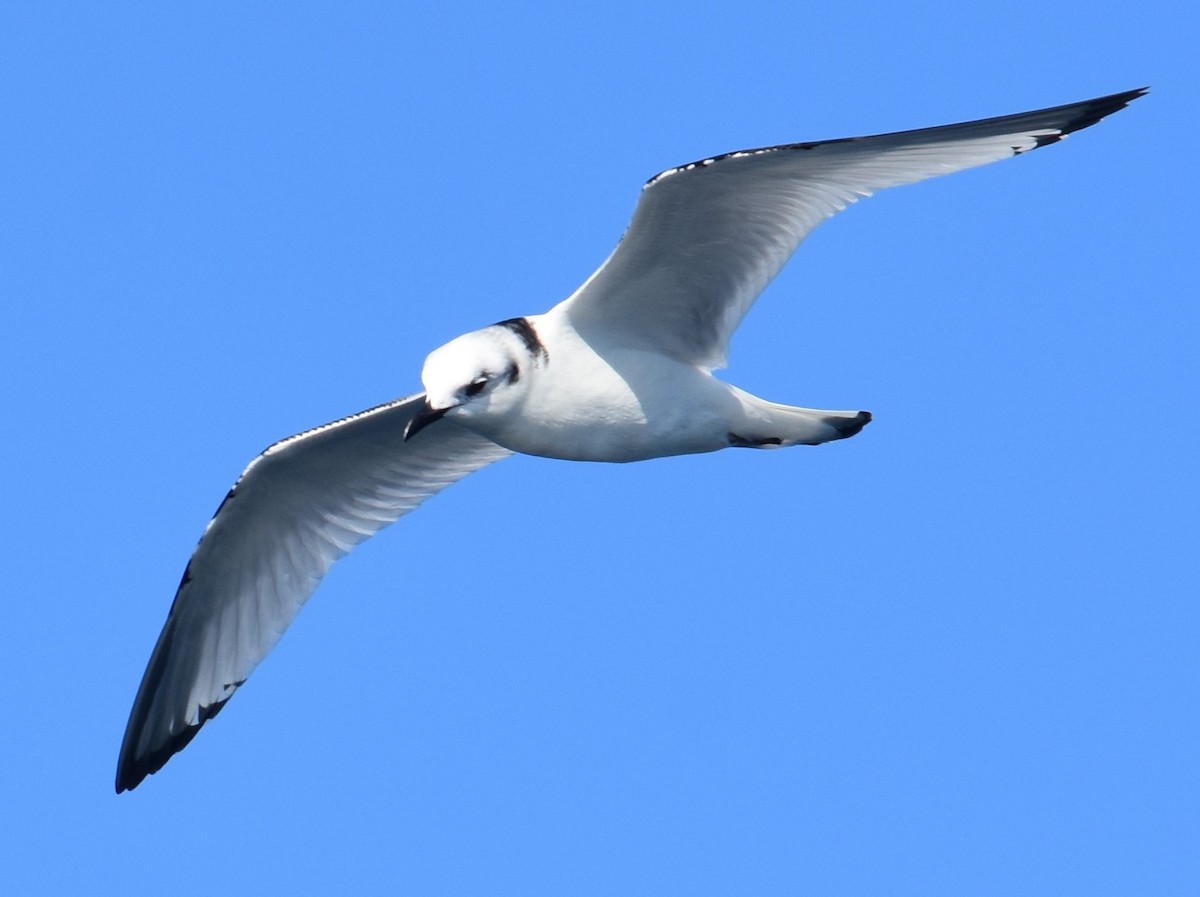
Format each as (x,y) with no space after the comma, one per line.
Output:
(423,418)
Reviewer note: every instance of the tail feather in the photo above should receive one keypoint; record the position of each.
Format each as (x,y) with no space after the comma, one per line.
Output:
(808,426)
(847,424)
(770,425)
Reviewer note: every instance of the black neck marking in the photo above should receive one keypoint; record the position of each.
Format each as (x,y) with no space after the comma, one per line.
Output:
(522,328)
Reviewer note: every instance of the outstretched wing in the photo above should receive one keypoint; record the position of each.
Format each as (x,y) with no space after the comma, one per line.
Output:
(706,238)
(298,507)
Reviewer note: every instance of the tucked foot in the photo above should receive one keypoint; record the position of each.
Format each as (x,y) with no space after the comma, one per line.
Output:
(737,441)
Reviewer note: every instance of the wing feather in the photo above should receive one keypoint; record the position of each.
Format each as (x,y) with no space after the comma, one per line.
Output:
(299,506)
(707,237)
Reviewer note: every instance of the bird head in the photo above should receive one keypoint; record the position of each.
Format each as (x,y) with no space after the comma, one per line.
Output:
(473,375)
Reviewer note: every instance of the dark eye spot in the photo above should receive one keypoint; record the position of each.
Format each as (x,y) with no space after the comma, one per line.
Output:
(475,387)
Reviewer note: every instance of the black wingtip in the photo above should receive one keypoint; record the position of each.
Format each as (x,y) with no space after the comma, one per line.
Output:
(1077,116)
(132,771)
(1092,111)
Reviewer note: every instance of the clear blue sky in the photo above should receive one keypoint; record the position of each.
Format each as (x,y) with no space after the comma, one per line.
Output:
(954,655)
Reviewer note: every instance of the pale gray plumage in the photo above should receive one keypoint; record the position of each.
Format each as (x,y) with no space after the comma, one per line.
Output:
(299,506)
(733,221)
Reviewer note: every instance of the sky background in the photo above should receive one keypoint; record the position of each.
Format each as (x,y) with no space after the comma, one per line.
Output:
(954,655)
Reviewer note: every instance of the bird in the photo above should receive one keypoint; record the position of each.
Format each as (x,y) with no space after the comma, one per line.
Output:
(620,371)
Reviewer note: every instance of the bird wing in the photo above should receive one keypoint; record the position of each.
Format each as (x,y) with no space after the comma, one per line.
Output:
(298,507)
(706,238)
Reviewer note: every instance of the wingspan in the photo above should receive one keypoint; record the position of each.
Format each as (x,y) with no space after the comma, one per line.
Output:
(298,507)
(706,238)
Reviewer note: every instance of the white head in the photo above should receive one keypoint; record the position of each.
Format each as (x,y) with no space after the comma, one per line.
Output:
(478,373)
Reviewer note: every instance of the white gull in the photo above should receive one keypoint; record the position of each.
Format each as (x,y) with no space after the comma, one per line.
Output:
(619,371)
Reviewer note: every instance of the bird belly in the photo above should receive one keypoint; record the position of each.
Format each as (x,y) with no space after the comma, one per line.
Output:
(602,438)
(627,409)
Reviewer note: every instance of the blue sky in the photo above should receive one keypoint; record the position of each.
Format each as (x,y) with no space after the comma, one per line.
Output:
(954,655)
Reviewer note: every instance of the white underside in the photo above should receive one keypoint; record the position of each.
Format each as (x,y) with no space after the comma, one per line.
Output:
(616,403)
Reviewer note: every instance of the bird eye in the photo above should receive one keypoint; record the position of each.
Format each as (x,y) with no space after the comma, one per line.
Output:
(475,387)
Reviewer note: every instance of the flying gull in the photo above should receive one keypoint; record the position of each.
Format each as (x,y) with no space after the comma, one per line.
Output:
(619,371)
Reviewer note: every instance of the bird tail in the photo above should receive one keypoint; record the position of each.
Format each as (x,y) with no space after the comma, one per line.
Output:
(771,425)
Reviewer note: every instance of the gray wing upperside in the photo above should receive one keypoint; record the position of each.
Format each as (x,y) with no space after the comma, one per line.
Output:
(707,237)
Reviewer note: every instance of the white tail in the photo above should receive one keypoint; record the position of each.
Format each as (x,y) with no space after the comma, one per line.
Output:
(771,425)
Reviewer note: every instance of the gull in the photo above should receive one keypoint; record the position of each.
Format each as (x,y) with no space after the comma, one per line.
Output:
(619,371)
